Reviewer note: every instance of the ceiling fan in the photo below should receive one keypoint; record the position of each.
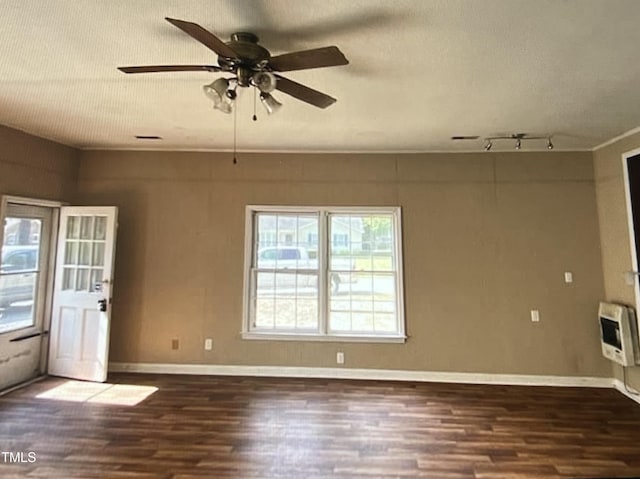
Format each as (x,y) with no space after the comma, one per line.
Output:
(253,66)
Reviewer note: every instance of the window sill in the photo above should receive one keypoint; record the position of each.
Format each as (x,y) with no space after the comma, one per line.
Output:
(322,338)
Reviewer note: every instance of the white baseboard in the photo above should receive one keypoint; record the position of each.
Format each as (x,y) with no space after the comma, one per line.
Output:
(631,393)
(371,374)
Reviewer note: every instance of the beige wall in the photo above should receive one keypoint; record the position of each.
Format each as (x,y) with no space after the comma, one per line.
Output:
(614,229)
(34,167)
(487,238)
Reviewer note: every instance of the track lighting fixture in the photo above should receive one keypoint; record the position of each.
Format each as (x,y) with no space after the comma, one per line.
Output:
(519,138)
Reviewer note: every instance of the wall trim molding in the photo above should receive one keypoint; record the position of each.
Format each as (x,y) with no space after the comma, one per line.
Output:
(617,138)
(620,386)
(367,374)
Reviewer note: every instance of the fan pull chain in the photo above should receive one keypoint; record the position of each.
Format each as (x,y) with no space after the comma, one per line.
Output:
(255,93)
(235,133)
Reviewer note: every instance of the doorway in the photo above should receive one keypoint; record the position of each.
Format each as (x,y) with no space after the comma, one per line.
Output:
(24,281)
(631,169)
(55,289)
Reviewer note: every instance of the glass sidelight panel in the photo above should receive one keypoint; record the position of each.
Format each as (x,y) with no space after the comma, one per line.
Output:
(19,272)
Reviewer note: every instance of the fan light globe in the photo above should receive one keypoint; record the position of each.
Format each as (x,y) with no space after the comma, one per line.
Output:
(216,92)
(264,81)
(270,104)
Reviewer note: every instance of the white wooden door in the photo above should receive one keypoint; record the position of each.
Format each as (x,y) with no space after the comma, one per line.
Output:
(79,344)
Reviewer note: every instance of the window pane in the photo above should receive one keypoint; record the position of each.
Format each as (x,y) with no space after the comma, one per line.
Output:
(82,280)
(385,322)
(286,230)
(286,301)
(19,272)
(96,280)
(362,285)
(85,254)
(285,311)
(71,252)
(360,279)
(100,227)
(98,254)
(68,279)
(346,235)
(379,229)
(362,322)
(367,304)
(73,227)
(382,262)
(86,227)
(341,322)
(264,314)
(19,258)
(266,233)
(17,295)
(287,241)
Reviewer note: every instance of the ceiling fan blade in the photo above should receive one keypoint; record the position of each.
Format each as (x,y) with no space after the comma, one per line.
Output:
(205,37)
(170,68)
(303,93)
(316,58)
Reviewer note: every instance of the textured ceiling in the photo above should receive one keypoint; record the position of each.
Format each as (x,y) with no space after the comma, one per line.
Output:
(420,72)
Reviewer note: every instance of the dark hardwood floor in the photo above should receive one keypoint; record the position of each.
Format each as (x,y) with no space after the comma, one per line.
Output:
(223,427)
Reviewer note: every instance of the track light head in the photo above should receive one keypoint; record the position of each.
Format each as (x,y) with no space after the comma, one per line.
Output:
(518,138)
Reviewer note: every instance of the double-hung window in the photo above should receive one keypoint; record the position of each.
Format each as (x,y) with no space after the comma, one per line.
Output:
(323,273)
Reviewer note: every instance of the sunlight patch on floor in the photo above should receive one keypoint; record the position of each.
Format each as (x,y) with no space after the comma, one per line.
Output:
(99,393)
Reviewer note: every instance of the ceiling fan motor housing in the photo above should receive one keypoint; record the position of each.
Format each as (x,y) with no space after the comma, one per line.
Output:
(251,57)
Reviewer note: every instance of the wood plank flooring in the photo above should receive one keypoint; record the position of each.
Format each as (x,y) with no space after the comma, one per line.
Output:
(196,427)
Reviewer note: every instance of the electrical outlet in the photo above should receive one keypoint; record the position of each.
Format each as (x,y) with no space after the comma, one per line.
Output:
(175,343)
(340,357)
(208,344)
(535,315)
(568,277)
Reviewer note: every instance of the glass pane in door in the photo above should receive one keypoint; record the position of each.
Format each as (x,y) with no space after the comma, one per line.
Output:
(84,253)
(19,272)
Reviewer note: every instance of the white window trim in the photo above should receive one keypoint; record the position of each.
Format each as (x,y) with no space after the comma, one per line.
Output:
(324,335)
